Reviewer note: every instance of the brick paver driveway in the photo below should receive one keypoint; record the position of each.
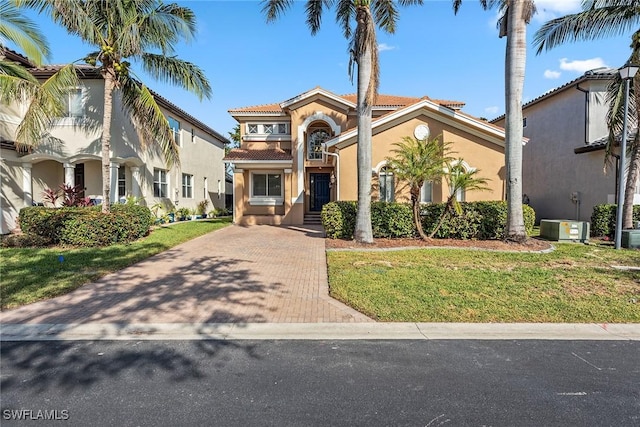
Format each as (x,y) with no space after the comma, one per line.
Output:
(234,275)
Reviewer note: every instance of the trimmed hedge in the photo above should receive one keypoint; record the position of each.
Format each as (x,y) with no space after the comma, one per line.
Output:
(87,226)
(603,220)
(392,220)
(479,220)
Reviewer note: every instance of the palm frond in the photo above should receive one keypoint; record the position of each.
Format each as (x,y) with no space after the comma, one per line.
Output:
(385,14)
(148,120)
(313,11)
(21,31)
(273,9)
(345,12)
(177,72)
(599,18)
(47,104)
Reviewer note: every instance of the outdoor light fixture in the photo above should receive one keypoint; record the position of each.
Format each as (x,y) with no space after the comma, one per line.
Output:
(627,73)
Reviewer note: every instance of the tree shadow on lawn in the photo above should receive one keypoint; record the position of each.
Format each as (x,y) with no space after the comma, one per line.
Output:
(169,289)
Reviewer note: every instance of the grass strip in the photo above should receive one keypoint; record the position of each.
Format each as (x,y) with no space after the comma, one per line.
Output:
(32,274)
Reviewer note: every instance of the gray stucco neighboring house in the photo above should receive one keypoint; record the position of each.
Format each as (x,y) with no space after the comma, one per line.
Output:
(72,154)
(564,174)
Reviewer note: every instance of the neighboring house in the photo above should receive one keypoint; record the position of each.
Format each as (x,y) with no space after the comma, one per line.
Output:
(72,155)
(563,162)
(281,174)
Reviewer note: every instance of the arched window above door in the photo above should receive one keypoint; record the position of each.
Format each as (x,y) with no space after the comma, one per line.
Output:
(314,143)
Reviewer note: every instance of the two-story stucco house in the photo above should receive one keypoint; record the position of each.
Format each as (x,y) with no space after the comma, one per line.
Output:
(563,162)
(72,154)
(297,155)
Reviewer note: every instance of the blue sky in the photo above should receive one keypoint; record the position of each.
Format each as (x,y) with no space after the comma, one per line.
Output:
(433,53)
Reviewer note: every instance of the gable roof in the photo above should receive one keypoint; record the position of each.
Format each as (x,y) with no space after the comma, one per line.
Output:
(602,73)
(489,131)
(382,102)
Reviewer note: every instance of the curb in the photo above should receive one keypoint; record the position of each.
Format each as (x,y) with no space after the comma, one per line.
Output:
(320,331)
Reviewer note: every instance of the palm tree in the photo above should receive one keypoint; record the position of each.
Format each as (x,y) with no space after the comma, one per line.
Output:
(602,18)
(21,31)
(459,180)
(416,162)
(515,15)
(364,54)
(18,85)
(123,30)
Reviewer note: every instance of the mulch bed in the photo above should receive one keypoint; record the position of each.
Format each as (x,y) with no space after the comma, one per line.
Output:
(532,244)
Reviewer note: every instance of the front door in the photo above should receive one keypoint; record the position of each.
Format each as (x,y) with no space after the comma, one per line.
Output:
(320,191)
(79,178)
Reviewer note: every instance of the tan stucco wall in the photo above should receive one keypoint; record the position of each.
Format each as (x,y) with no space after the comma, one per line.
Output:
(551,170)
(485,156)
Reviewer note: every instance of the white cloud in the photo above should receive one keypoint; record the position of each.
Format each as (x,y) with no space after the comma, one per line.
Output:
(383,46)
(580,66)
(550,74)
(550,9)
(492,110)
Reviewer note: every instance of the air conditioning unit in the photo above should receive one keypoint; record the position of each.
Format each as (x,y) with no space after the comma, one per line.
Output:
(630,239)
(562,230)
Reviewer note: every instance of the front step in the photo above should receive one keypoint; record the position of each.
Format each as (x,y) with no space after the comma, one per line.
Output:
(312,219)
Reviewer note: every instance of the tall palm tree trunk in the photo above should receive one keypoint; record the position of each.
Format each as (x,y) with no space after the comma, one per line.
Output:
(417,219)
(363,231)
(109,84)
(514,82)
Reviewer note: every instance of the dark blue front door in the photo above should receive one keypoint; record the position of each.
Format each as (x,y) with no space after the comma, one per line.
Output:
(320,191)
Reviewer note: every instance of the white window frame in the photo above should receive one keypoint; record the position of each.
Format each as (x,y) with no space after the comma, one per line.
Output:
(384,173)
(159,183)
(268,129)
(426,192)
(269,199)
(122,181)
(252,128)
(187,188)
(175,131)
(69,101)
(286,128)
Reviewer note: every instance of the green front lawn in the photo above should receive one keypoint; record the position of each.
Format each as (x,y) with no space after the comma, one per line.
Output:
(33,274)
(575,283)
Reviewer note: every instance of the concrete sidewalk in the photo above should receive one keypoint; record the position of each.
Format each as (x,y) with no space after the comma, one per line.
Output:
(321,331)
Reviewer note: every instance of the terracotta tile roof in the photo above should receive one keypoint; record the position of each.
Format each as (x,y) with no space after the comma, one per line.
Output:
(266,108)
(382,101)
(265,154)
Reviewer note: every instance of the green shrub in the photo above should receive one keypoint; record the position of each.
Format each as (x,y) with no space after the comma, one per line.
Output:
(46,222)
(484,220)
(24,241)
(392,220)
(603,219)
(87,226)
(479,220)
(339,219)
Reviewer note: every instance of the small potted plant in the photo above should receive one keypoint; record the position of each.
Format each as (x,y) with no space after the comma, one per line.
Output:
(183,214)
(201,210)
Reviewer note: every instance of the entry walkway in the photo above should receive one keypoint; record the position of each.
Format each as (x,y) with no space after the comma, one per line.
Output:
(258,274)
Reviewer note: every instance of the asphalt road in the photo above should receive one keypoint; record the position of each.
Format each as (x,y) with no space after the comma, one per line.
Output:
(321,383)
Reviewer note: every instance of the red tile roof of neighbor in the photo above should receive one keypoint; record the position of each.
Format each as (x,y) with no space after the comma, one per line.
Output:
(264,154)
(382,101)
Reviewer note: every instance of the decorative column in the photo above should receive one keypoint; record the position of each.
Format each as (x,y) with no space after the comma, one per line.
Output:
(238,194)
(27,184)
(113,167)
(69,174)
(135,181)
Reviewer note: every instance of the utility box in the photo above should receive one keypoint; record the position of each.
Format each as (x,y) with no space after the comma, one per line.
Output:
(563,230)
(631,239)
